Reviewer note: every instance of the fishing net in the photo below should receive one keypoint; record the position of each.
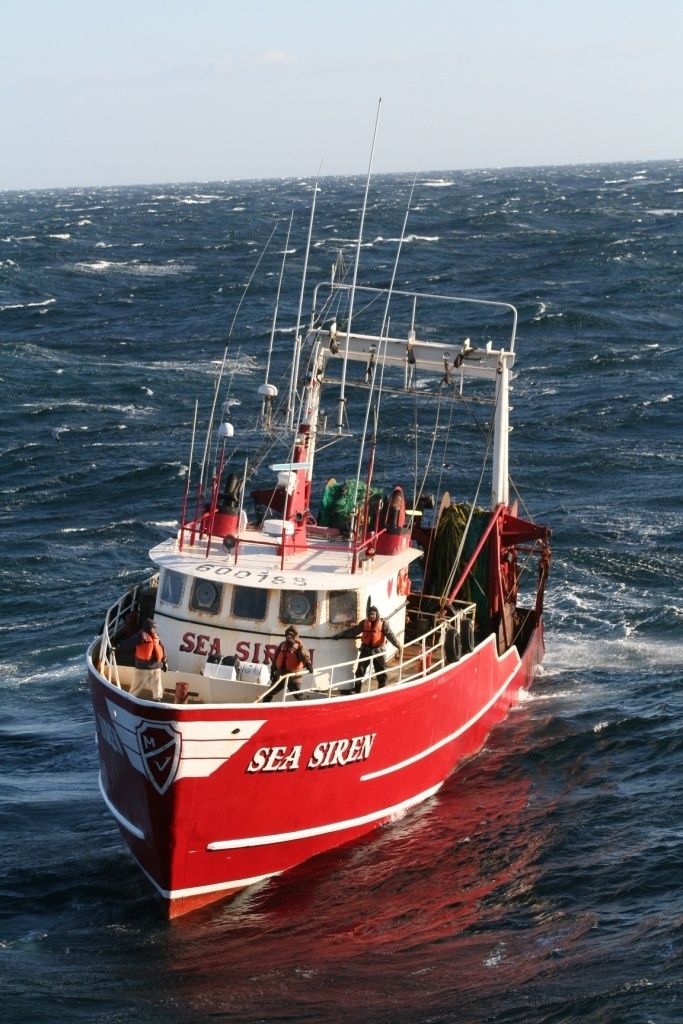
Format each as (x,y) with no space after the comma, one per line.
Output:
(339,502)
(452,523)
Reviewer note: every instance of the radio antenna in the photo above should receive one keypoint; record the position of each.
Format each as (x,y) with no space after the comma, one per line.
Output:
(342,400)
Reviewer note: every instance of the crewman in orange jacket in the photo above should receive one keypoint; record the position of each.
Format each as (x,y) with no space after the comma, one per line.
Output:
(150,659)
(291,656)
(374,633)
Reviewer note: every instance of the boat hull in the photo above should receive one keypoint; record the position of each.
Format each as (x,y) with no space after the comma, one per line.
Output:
(211,799)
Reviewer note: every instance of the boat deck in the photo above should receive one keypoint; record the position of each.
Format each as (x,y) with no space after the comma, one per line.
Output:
(417,661)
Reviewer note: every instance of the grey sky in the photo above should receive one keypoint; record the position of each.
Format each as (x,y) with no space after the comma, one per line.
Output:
(124,92)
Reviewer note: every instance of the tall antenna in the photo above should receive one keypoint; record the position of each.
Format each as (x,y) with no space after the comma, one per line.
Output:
(291,402)
(277,298)
(183,517)
(342,400)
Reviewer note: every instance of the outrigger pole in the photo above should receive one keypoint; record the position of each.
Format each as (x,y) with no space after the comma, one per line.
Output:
(342,400)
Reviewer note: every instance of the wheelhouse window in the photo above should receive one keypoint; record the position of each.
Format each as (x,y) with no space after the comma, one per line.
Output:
(249,603)
(299,607)
(342,607)
(206,597)
(172,587)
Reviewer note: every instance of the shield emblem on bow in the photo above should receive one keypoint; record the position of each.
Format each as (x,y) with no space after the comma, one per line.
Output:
(159,745)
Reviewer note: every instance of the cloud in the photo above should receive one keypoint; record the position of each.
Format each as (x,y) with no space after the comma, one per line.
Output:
(278,57)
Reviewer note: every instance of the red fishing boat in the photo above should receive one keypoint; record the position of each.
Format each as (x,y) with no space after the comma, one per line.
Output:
(233,776)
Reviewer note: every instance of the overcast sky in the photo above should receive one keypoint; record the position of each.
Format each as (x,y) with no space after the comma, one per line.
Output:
(99,92)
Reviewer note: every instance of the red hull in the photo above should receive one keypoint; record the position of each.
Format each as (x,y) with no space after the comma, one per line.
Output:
(206,812)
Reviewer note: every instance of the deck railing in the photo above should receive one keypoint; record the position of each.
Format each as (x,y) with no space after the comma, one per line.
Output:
(430,657)
(115,620)
(421,656)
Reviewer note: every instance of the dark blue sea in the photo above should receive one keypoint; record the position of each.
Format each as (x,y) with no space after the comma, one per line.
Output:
(544,883)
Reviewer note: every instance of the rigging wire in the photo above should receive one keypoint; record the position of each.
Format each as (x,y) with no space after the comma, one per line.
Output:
(456,562)
(355,271)
(277,297)
(298,340)
(217,384)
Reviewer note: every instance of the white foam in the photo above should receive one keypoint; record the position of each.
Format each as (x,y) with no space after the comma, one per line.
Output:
(29,305)
(131,267)
(582,651)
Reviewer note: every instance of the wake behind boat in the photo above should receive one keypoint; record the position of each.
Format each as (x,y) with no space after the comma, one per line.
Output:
(262,751)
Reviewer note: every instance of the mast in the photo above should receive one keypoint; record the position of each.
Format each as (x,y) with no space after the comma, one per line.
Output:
(500,492)
(291,404)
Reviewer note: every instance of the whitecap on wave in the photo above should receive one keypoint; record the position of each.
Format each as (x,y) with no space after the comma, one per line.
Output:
(28,305)
(132,267)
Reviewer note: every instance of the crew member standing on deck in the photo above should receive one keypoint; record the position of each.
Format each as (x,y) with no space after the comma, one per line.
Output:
(374,633)
(150,659)
(291,656)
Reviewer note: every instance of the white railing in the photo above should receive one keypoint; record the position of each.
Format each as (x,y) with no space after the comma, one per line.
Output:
(429,658)
(114,621)
(427,652)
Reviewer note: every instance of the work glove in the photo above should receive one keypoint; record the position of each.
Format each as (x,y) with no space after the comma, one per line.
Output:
(164,665)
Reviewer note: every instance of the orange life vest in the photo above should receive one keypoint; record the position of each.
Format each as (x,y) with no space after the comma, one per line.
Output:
(373,633)
(149,649)
(289,661)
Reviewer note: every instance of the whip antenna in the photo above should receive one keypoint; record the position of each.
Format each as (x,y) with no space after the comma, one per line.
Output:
(291,400)
(340,413)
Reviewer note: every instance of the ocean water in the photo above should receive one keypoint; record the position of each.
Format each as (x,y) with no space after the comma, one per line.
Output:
(544,883)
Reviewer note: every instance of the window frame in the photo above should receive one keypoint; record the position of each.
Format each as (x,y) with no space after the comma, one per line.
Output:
(308,620)
(168,574)
(218,603)
(340,622)
(249,618)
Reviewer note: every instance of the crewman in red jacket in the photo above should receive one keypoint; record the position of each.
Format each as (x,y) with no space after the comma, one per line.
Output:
(374,633)
(291,656)
(150,659)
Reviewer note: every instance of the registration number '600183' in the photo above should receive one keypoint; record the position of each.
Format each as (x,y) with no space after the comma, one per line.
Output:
(248,576)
